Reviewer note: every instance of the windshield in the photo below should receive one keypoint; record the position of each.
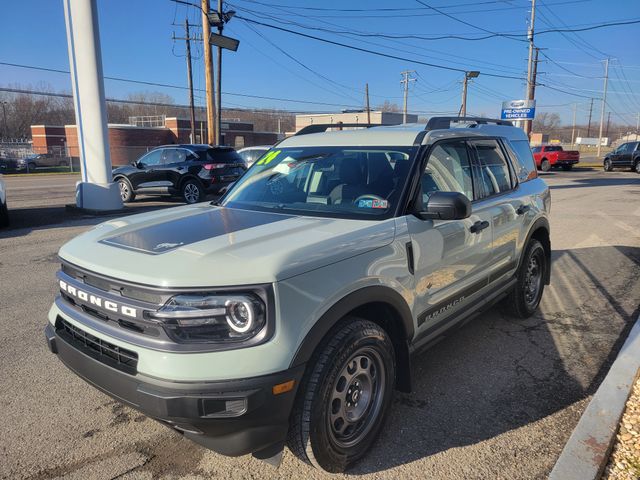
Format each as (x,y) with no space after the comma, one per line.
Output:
(345,182)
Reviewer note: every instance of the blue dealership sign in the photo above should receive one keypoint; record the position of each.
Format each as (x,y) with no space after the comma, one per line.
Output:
(518,110)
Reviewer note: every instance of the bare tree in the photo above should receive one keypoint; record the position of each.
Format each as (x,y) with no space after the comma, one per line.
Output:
(387,106)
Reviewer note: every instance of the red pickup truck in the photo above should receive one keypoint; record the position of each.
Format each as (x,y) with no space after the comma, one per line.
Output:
(549,156)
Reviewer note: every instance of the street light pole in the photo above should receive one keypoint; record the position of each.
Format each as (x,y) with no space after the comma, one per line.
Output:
(219,81)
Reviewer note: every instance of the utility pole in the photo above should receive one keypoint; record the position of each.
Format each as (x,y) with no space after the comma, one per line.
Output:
(192,111)
(219,80)
(604,104)
(530,65)
(212,137)
(589,124)
(573,128)
(366,97)
(405,81)
(465,82)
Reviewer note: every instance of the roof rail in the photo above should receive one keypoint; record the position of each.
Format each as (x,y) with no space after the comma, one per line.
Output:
(323,127)
(439,123)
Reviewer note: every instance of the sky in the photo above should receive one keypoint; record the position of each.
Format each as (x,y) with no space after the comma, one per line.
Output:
(137,44)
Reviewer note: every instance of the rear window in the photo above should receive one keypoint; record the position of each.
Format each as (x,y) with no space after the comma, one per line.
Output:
(524,164)
(553,149)
(224,155)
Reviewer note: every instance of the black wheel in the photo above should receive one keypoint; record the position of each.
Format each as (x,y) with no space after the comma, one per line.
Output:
(525,297)
(636,166)
(4,215)
(192,191)
(344,397)
(31,167)
(607,165)
(126,191)
(567,168)
(545,165)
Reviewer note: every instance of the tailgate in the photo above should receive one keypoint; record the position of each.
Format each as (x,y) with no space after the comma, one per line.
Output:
(569,155)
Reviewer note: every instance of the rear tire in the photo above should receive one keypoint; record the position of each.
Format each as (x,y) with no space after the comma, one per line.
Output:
(126,190)
(4,215)
(344,397)
(545,165)
(607,165)
(524,299)
(192,191)
(636,167)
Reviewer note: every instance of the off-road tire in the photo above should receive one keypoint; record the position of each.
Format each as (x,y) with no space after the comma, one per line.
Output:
(312,437)
(545,165)
(607,165)
(126,190)
(516,303)
(192,191)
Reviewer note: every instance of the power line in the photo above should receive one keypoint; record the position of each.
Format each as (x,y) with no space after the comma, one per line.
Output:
(365,50)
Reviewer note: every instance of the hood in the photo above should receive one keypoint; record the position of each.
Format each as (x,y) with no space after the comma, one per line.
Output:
(206,246)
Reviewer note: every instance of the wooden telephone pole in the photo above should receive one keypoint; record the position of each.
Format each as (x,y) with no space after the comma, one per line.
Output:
(366,96)
(212,137)
(405,81)
(192,112)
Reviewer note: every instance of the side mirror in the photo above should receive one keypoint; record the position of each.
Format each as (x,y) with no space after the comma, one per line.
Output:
(444,206)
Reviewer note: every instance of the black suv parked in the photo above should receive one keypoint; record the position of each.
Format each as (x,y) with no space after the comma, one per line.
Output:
(626,155)
(191,171)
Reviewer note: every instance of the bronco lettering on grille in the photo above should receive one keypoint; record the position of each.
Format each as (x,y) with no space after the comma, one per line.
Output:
(97,301)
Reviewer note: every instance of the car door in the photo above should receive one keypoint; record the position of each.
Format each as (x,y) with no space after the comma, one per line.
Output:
(148,173)
(451,258)
(176,161)
(498,193)
(620,154)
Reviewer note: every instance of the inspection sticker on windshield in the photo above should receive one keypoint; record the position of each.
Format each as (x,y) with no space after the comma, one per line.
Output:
(372,203)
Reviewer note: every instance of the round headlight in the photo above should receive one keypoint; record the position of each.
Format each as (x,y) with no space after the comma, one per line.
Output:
(240,316)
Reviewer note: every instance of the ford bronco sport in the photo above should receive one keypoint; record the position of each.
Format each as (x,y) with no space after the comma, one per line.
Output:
(287,312)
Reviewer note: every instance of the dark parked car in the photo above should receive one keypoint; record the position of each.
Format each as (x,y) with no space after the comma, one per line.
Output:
(190,171)
(8,165)
(42,160)
(626,155)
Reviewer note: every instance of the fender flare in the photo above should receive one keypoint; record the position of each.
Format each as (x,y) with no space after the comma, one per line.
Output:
(359,298)
(541,222)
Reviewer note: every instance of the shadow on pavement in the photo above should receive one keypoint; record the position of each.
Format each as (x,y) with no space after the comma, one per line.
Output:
(497,373)
(601,181)
(26,220)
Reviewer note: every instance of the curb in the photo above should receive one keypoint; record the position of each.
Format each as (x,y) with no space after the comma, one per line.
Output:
(586,453)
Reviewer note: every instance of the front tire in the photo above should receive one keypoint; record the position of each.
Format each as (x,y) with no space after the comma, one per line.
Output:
(607,165)
(192,191)
(126,191)
(344,397)
(525,297)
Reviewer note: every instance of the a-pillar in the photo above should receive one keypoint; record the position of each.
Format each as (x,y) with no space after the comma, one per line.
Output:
(96,190)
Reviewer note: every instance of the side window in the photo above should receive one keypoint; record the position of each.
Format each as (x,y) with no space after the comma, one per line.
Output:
(525,165)
(153,158)
(448,169)
(493,169)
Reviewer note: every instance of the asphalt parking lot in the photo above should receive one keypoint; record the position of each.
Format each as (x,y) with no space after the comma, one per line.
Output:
(496,399)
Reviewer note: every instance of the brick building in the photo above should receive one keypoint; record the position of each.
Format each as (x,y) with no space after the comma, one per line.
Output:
(128,142)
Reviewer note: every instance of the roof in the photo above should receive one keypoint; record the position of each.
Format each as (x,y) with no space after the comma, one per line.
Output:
(401,135)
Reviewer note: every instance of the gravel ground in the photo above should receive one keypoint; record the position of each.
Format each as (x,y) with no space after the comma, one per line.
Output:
(624,463)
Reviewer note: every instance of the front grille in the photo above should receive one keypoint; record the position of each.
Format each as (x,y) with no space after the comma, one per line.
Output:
(105,352)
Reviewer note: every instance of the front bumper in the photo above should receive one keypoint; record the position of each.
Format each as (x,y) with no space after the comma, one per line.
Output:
(233,417)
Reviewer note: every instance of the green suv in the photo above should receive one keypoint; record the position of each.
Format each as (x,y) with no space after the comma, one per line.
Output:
(287,313)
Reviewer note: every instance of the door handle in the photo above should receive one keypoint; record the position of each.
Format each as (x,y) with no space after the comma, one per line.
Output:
(522,209)
(479,226)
